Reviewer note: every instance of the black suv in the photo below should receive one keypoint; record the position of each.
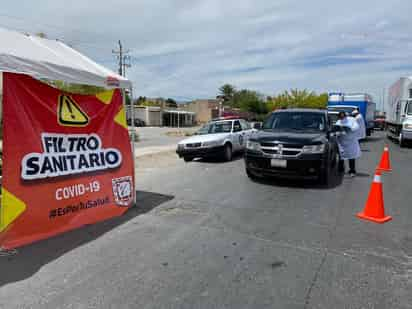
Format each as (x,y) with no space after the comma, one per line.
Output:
(293,143)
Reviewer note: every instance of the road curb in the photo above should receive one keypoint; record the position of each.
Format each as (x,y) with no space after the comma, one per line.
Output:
(147,151)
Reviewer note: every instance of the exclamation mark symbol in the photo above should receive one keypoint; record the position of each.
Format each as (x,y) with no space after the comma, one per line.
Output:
(69,107)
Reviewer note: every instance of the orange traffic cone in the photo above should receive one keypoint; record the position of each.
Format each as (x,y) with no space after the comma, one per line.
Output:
(374,208)
(385,164)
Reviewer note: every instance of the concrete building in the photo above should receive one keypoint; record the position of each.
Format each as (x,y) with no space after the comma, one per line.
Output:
(151,115)
(178,118)
(156,116)
(205,110)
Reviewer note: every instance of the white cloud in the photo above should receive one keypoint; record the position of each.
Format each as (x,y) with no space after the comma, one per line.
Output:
(189,48)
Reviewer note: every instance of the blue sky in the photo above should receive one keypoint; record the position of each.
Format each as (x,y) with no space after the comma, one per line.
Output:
(187,49)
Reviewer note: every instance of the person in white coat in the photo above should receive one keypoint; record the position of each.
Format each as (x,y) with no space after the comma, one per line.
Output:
(361,122)
(348,142)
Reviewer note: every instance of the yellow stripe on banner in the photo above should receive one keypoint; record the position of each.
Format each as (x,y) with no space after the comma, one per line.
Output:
(105,96)
(121,118)
(11,208)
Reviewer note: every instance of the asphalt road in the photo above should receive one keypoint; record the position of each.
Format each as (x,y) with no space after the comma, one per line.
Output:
(205,236)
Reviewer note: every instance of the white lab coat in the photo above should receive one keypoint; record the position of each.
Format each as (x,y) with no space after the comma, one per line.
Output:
(362,127)
(349,141)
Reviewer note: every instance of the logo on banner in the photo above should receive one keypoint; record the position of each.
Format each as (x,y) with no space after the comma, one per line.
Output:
(122,190)
(70,114)
(69,154)
(112,81)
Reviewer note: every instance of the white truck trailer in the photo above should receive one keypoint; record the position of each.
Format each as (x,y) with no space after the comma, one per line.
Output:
(398,110)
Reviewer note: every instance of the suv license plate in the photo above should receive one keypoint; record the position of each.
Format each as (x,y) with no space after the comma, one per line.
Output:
(278,163)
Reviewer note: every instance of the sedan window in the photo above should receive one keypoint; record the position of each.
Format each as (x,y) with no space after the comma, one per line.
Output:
(221,127)
(236,126)
(245,125)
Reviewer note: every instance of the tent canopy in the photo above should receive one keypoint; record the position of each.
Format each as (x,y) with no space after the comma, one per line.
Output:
(53,60)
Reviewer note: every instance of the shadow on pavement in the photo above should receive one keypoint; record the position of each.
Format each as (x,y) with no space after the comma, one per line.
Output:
(33,257)
(336,180)
(372,139)
(236,157)
(366,175)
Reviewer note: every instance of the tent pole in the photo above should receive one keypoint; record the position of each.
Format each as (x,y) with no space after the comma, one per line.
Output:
(133,142)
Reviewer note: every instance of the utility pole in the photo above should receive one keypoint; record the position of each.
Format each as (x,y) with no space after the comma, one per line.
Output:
(126,63)
(121,55)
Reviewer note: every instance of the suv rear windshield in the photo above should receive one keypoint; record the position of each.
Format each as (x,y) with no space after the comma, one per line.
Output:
(295,121)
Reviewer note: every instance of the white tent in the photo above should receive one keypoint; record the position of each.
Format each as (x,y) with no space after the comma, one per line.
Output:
(53,60)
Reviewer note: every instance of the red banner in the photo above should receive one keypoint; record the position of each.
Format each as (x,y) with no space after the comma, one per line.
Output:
(67,160)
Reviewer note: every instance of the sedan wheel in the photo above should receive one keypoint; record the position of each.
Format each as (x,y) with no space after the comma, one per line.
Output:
(228,152)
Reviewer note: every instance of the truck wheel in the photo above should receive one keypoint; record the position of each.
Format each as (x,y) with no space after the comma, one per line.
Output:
(188,159)
(227,153)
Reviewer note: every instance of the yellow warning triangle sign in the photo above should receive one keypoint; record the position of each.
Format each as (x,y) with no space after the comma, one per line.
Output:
(70,114)
(11,208)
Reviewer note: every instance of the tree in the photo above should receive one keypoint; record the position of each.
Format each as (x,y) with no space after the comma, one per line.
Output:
(140,100)
(143,101)
(41,35)
(298,98)
(249,101)
(171,103)
(227,91)
(75,88)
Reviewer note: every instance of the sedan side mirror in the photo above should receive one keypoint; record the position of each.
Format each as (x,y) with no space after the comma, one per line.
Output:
(257,126)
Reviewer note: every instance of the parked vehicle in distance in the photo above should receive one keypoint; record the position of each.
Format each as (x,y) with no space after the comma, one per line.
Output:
(380,122)
(398,110)
(347,102)
(137,122)
(218,138)
(293,143)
